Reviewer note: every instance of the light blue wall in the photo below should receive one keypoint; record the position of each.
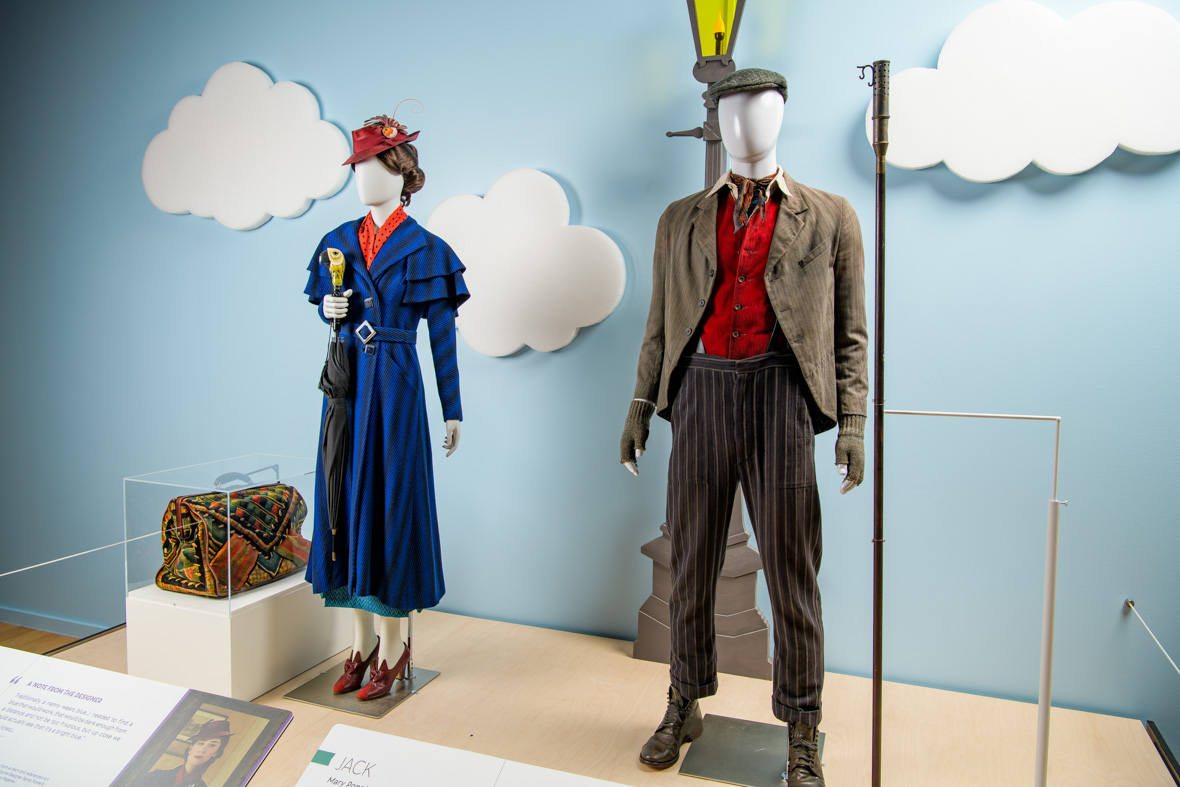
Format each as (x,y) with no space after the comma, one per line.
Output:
(137,340)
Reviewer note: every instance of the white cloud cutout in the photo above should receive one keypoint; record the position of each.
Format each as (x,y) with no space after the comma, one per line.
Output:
(244,150)
(534,279)
(1017,83)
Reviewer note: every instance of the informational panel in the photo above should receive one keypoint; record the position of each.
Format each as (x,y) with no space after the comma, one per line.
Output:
(68,724)
(362,758)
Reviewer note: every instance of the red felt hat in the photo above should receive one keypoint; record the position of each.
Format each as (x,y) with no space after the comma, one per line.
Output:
(378,134)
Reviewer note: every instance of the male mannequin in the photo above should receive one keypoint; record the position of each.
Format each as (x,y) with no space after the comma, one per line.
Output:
(764,278)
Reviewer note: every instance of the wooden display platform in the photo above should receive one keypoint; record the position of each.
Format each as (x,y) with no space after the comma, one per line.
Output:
(581,704)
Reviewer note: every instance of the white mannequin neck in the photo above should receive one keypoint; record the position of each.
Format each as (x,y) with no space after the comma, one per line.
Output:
(750,123)
(378,188)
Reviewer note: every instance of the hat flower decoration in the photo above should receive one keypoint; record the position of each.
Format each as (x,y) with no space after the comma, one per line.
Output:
(390,128)
(379,133)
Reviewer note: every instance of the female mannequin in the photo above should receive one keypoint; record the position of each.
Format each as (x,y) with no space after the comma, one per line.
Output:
(386,560)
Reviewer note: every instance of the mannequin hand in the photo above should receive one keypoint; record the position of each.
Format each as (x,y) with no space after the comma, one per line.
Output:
(336,307)
(850,452)
(635,431)
(846,485)
(451,442)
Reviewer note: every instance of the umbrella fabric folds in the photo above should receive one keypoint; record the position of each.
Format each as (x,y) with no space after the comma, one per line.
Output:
(336,383)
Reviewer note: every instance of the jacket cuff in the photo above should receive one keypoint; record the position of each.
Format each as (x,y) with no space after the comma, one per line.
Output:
(852,425)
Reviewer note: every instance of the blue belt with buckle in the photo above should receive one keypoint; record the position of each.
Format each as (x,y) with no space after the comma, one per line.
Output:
(369,334)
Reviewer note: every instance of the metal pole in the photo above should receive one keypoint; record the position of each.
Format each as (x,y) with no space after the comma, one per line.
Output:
(409,674)
(1046,681)
(880,85)
(1048,612)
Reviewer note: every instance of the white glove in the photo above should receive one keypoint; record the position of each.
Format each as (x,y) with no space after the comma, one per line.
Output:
(336,306)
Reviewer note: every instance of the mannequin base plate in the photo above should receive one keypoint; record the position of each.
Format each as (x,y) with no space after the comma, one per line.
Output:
(735,751)
(318,691)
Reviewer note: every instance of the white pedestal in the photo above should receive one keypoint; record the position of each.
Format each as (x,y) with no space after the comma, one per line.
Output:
(241,648)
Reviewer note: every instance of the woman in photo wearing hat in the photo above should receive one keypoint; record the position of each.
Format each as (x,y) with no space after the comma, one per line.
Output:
(384,560)
(203,748)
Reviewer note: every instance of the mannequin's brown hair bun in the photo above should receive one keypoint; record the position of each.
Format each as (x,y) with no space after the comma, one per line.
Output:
(403,160)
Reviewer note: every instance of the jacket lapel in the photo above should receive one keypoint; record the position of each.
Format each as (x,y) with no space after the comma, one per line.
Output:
(787,230)
(704,231)
(407,238)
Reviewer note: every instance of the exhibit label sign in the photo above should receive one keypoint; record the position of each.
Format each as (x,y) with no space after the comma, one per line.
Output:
(68,724)
(352,757)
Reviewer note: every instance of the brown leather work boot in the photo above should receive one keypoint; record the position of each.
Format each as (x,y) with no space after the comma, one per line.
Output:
(803,768)
(682,722)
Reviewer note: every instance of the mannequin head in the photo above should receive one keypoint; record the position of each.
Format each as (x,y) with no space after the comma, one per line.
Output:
(750,114)
(750,123)
(376,185)
(386,165)
(391,174)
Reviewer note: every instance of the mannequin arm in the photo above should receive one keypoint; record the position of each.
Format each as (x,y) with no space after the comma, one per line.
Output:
(440,319)
(851,349)
(651,360)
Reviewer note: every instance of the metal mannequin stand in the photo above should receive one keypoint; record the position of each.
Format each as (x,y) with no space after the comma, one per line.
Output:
(736,751)
(318,690)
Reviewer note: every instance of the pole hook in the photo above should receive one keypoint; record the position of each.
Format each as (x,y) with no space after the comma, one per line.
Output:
(862,73)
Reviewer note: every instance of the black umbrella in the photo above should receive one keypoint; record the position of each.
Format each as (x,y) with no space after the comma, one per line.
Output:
(336,383)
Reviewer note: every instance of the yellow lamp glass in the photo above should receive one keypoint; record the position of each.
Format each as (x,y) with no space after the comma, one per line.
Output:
(713,17)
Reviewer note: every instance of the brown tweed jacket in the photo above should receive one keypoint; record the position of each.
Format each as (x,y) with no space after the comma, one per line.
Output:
(814,279)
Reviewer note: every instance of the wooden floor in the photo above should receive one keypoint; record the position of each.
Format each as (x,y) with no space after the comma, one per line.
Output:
(582,704)
(31,640)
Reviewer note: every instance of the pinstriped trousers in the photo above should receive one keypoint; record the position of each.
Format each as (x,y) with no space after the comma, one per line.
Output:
(746,421)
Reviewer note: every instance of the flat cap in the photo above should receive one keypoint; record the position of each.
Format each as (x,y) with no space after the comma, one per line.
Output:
(748,79)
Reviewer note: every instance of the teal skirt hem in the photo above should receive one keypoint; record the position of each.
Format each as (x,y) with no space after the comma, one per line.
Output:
(339,597)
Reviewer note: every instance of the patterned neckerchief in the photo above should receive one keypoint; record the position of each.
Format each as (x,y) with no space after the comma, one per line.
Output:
(371,239)
(751,197)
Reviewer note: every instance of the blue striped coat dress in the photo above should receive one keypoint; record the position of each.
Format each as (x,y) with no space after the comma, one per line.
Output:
(387,545)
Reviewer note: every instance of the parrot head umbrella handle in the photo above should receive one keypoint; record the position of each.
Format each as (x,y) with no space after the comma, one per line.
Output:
(334,259)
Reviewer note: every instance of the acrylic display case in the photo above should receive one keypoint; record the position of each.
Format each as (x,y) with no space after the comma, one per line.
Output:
(252,638)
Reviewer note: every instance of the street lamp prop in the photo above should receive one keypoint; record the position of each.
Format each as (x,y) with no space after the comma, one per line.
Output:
(714,31)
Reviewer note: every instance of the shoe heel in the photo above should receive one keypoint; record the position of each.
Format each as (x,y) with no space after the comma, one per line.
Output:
(402,665)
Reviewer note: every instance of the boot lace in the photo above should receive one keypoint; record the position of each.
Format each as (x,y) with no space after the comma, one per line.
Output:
(803,757)
(674,714)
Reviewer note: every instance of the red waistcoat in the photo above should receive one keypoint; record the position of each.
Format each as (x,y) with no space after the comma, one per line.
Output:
(739,321)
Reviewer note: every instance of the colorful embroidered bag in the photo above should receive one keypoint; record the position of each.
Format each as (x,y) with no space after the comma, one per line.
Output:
(263,542)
